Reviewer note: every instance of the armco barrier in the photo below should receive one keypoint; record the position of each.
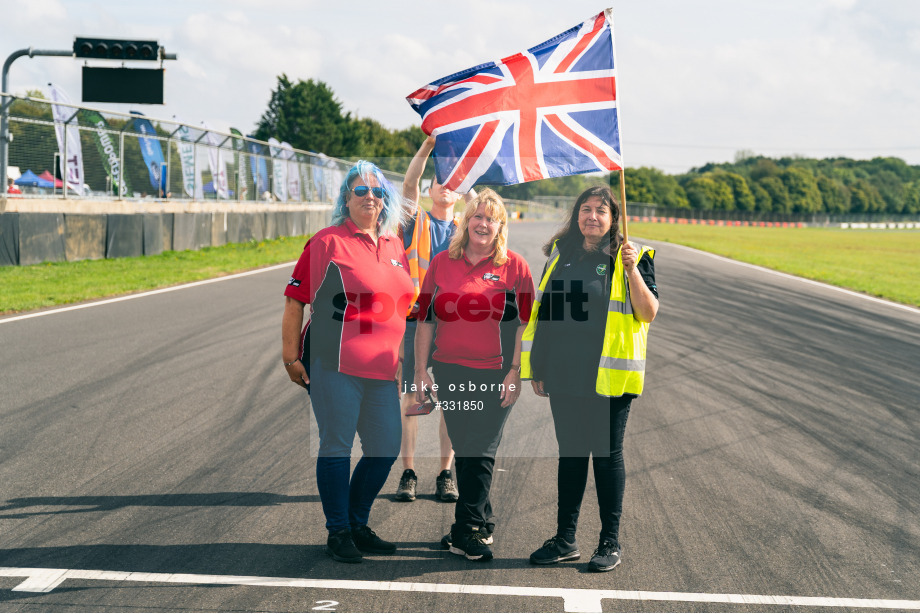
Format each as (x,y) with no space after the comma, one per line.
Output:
(153,234)
(9,239)
(169,223)
(84,236)
(202,230)
(219,229)
(124,236)
(185,231)
(29,237)
(698,222)
(269,227)
(246,227)
(41,238)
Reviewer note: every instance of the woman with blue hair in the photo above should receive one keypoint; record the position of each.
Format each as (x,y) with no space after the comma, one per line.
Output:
(355,277)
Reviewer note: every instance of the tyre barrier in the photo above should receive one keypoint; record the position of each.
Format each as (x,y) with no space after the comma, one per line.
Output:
(757,224)
(32,238)
(697,222)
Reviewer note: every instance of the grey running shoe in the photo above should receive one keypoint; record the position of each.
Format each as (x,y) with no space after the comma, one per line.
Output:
(341,547)
(555,550)
(445,541)
(472,546)
(367,541)
(407,484)
(606,557)
(446,487)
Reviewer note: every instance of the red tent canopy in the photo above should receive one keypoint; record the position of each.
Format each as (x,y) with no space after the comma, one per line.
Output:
(47,176)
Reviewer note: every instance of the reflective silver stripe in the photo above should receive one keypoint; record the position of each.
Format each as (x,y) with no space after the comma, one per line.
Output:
(554,253)
(622,364)
(622,307)
(412,254)
(526,345)
(423,264)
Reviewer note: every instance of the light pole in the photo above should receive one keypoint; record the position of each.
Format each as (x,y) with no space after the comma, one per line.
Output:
(5,103)
(90,48)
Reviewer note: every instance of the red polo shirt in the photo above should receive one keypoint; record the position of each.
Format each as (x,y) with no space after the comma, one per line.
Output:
(477,307)
(358,294)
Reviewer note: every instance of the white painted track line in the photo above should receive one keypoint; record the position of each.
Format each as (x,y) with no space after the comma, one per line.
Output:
(129,297)
(41,580)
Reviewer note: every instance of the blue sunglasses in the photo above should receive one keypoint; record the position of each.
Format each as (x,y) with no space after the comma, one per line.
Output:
(362,190)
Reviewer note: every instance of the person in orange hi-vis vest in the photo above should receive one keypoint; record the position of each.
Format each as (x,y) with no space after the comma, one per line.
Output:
(427,234)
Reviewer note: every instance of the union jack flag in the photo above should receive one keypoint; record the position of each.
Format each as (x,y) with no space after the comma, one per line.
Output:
(550,111)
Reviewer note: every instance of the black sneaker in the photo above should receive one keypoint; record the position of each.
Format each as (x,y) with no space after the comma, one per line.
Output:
(555,550)
(367,541)
(446,487)
(606,557)
(341,547)
(472,546)
(445,541)
(407,484)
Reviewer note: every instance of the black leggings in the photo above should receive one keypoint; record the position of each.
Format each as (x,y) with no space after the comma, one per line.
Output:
(475,421)
(590,426)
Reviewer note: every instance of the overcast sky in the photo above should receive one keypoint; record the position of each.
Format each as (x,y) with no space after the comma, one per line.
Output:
(698,79)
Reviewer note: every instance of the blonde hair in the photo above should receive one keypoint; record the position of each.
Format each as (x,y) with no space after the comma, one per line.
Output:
(495,208)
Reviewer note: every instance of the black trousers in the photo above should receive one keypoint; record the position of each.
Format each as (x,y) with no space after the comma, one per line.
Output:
(475,420)
(590,426)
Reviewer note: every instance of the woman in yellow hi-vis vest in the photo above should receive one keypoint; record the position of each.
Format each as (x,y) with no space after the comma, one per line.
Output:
(584,348)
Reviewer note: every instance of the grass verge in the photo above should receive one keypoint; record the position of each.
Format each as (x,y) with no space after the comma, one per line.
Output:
(883,263)
(58,283)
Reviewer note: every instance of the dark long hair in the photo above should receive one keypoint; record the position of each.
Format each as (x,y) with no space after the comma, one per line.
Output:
(569,237)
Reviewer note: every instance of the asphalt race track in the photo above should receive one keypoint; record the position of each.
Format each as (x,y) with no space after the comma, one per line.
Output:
(154,457)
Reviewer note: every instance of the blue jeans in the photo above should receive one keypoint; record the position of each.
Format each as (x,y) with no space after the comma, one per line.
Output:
(345,405)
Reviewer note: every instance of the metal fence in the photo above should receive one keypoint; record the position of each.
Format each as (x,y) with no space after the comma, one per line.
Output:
(127,156)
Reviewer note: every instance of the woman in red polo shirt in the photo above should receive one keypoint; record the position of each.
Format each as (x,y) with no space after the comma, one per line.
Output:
(479,295)
(355,277)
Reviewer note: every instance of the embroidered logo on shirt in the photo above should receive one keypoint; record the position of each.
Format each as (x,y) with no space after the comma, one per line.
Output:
(491,277)
(601,269)
(294,282)
(395,262)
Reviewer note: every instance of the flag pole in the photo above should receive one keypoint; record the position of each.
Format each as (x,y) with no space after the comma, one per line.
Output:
(623,204)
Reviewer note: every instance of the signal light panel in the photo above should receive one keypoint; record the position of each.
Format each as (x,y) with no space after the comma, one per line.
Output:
(115,49)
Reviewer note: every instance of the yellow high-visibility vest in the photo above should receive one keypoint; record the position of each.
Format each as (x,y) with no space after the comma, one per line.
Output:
(621,369)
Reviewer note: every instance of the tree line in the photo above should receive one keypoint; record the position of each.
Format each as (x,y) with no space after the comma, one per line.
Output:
(308,115)
(788,185)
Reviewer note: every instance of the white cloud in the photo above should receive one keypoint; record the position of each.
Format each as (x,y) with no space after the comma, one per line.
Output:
(769,75)
(36,13)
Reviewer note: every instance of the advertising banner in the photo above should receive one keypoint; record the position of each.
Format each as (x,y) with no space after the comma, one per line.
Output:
(217,162)
(293,172)
(152,152)
(191,177)
(239,146)
(71,152)
(279,169)
(108,151)
(259,168)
